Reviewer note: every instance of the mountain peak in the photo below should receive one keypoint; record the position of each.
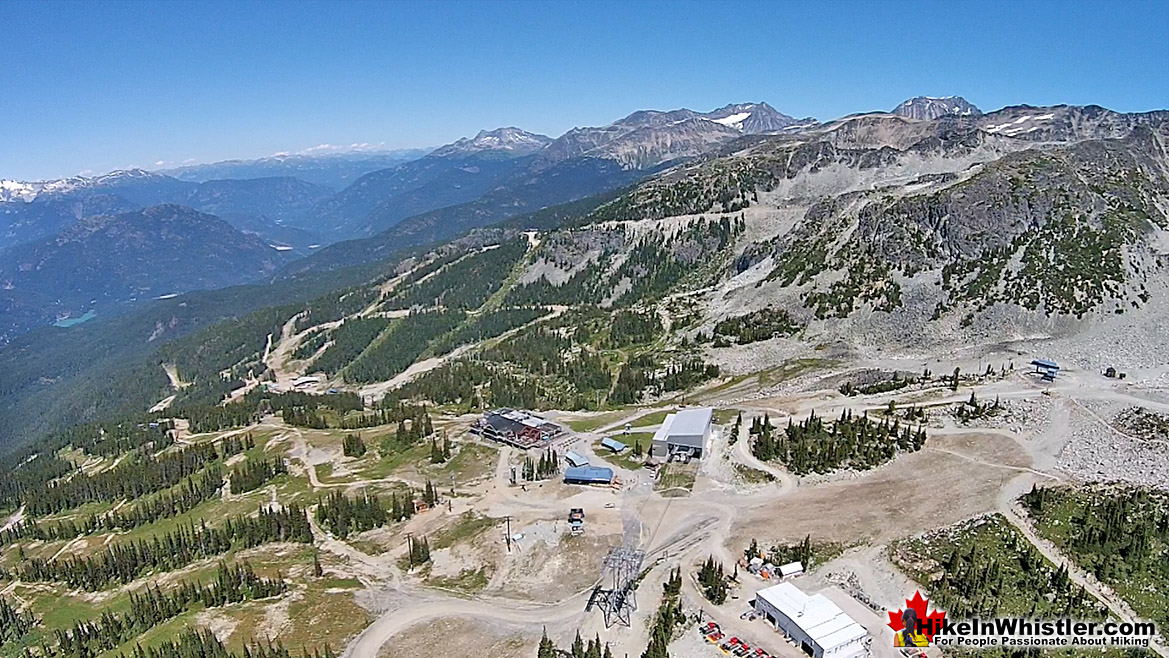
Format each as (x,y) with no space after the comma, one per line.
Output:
(509,139)
(751,118)
(936,107)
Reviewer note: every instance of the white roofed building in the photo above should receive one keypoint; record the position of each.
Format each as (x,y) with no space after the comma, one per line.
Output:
(814,623)
(685,431)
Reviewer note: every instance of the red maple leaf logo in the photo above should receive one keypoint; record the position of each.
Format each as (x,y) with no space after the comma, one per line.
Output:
(929,623)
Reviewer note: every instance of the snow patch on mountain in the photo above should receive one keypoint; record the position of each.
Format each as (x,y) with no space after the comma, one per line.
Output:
(734,120)
(11,190)
(509,139)
(1020,125)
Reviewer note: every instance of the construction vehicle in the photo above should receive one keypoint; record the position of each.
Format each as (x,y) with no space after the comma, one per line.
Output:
(576,520)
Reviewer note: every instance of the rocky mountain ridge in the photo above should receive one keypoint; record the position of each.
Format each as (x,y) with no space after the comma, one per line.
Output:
(873,234)
(930,108)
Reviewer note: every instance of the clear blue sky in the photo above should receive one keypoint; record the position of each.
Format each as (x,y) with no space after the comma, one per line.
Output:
(90,86)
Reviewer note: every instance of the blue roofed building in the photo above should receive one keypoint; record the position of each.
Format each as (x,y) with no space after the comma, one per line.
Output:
(613,444)
(1048,369)
(574,459)
(588,475)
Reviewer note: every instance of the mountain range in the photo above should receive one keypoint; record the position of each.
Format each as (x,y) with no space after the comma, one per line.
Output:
(932,223)
(323,166)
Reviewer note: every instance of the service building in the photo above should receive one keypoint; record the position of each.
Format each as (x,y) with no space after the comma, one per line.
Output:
(685,432)
(813,623)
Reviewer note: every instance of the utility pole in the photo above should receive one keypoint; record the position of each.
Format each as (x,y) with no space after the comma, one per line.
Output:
(508,534)
(410,548)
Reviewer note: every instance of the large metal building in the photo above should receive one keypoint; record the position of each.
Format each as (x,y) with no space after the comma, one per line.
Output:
(684,432)
(588,475)
(815,624)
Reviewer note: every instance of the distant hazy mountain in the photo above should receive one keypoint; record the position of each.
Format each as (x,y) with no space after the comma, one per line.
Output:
(508,171)
(39,209)
(931,108)
(262,206)
(103,260)
(453,174)
(509,140)
(334,170)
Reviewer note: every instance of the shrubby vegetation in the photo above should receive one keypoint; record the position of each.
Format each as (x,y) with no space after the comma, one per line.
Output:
(755,326)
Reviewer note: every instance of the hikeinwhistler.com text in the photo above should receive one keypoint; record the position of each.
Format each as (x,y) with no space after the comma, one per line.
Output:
(1041,633)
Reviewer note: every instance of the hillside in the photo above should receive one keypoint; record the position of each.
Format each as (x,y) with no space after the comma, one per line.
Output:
(871,233)
(855,301)
(106,260)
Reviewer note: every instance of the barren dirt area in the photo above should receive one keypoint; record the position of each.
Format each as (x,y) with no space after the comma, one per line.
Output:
(953,478)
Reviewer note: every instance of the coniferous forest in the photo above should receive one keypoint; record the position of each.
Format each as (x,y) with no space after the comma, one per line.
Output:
(135,476)
(255,472)
(984,567)
(1119,534)
(342,515)
(153,606)
(816,446)
(124,562)
(203,644)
